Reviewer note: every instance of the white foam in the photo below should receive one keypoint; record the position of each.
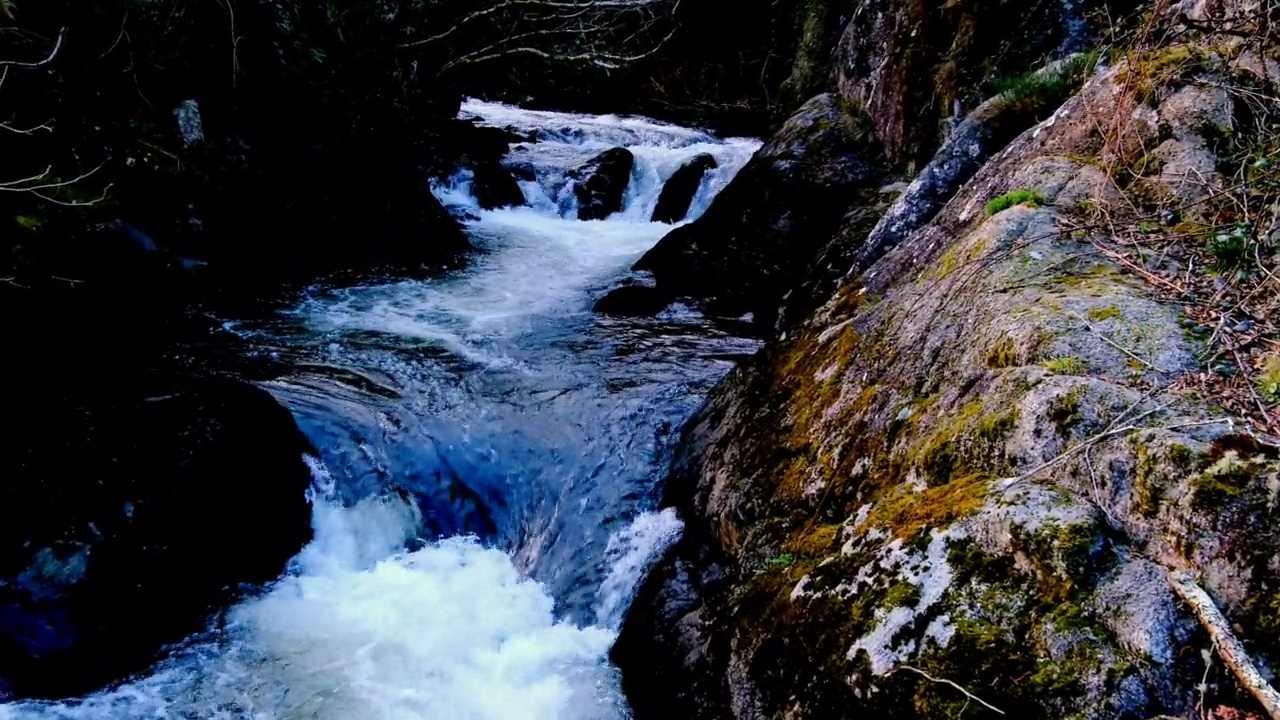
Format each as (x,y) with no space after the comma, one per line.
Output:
(449,631)
(629,554)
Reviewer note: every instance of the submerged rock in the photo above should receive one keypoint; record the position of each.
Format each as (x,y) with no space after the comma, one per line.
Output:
(129,516)
(494,186)
(600,183)
(634,300)
(678,193)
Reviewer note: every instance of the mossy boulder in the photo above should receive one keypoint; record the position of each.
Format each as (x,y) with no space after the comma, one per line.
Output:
(976,465)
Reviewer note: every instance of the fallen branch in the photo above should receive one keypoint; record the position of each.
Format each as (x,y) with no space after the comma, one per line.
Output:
(944,681)
(1229,648)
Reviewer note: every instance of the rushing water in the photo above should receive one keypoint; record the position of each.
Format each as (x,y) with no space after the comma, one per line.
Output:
(483,507)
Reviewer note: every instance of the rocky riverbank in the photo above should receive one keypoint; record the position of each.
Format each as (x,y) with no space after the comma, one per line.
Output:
(965,480)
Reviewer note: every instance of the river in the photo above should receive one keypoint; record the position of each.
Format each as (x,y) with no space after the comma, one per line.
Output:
(491,454)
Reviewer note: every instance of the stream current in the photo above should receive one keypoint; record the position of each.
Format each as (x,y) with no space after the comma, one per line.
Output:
(491,453)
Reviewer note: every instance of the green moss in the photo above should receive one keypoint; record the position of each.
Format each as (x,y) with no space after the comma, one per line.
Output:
(1107,312)
(1268,381)
(815,543)
(1221,482)
(1148,73)
(1004,354)
(1062,556)
(1068,365)
(1267,614)
(1042,91)
(996,427)
(783,560)
(902,594)
(906,514)
(1064,411)
(1012,198)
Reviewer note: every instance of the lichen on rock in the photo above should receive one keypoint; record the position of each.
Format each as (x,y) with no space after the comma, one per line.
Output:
(979,463)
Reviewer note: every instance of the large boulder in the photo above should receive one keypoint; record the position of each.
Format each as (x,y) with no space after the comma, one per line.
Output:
(981,473)
(973,140)
(760,234)
(600,183)
(127,518)
(679,190)
(137,493)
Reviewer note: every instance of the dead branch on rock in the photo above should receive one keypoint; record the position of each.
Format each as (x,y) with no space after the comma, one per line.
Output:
(950,683)
(1229,648)
(1110,432)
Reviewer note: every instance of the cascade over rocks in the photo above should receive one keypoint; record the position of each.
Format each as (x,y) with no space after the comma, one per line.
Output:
(678,193)
(761,232)
(600,183)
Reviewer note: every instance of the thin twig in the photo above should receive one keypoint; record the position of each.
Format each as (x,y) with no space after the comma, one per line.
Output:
(1009,482)
(944,681)
(1116,345)
(1249,383)
(29,131)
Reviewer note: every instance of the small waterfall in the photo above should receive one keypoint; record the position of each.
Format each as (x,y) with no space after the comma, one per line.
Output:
(563,141)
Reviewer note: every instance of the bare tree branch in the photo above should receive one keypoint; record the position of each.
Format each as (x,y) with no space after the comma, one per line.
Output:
(599,59)
(57,46)
(24,186)
(601,33)
(29,131)
(575,7)
(34,178)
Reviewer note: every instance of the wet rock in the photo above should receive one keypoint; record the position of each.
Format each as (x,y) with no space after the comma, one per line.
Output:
(128,515)
(634,300)
(600,183)
(494,186)
(677,194)
(761,233)
(522,170)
